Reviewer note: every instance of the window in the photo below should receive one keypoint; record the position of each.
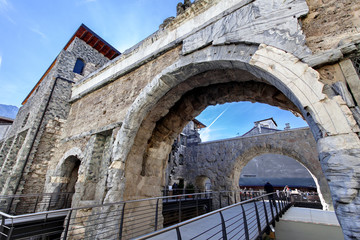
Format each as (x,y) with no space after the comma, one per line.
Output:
(25,120)
(356,62)
(181,159)
(183,140)
(79,66)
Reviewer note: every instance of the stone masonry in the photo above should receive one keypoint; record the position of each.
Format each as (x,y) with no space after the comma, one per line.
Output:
(122,118)
(222,161)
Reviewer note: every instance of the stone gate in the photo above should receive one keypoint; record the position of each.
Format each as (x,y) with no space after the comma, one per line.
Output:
(121,119)
(222,161)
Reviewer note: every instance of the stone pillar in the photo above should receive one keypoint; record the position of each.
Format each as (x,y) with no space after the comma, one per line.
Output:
(339,156)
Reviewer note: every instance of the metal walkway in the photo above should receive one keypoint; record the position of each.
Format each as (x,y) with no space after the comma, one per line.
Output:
(245,215)
(245,220)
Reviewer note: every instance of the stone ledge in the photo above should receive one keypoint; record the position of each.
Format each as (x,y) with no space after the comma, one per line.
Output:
(92,132)
(346,47)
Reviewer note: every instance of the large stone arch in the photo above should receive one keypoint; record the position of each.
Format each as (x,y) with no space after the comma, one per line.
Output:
(330,120)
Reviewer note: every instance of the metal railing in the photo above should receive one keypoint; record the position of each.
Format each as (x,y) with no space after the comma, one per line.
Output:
(121,220)
(249,219)
(31,203)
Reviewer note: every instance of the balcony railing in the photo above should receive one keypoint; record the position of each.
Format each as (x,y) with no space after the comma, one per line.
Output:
(131,219)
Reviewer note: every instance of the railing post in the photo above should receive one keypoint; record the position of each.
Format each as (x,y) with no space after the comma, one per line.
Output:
(279,205)
(180,210)
(156,213)
(49,203)
(67,224)
(2,226)
(223,226)
(220,199)
(122,221)
(266,214)
(10,233)
(257,218)
(11,199)
(228,198)
(197,204)
(272,212)
(276,208)
(37,200)
(178,234)
(246,229)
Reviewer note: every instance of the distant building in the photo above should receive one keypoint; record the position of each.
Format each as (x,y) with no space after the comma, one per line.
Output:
(263,126)
(188,137)
(5,124)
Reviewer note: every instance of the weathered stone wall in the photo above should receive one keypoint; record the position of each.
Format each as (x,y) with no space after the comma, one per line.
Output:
(48,101)
(216,51)
(142,88)
(223,161)
(110,103)
(329,22)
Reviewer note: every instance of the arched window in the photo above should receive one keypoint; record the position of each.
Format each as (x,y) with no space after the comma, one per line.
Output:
(79,66)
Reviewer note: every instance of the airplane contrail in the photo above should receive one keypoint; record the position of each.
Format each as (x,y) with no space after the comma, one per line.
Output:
(217,118)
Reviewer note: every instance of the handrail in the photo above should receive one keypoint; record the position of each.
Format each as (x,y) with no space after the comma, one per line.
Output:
(34,195)
(101,205)
(175,226)
(30,203)
(132,218)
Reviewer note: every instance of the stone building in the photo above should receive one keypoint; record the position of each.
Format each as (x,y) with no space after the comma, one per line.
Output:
(188,138)
(32,136)
(262,126)
(121,120)
(5,124)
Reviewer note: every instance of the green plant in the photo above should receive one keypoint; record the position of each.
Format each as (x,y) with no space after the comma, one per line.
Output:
(190,188)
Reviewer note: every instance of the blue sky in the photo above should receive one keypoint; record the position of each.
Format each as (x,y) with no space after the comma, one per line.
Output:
(234,119)
(32,33)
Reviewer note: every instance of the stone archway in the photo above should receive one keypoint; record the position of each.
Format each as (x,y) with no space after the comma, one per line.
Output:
(203,183)
(312,166)
(151,124)
(66,173)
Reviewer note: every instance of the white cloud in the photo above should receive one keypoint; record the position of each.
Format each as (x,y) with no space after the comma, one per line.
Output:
(5,8)
(37,31)
(4,4)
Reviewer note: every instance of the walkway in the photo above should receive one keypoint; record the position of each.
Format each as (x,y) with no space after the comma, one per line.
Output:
(239,221)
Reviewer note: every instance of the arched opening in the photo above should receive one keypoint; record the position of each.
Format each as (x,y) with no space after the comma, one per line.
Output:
(70,187)
(69,172)
(203,183)
(280,171)
(166,129)
(184,89)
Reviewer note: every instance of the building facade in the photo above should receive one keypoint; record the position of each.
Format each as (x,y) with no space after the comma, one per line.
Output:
(118,124)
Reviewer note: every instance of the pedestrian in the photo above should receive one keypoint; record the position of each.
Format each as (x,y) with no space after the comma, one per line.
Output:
(287,192)
(175,188)
(269,189)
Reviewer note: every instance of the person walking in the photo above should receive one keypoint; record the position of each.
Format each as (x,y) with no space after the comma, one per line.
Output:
(269,189)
